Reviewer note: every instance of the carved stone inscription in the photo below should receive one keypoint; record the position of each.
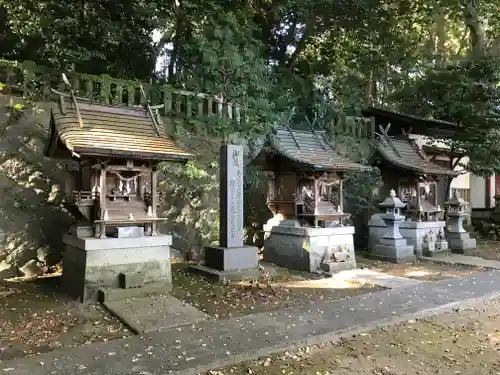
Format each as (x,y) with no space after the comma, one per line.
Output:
(231,196)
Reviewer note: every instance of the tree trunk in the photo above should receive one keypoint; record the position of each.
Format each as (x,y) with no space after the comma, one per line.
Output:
(475,26)
(441,36)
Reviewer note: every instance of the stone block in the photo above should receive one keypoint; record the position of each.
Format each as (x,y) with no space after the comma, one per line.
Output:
(7,271)
(461,243)
(395,254)
(231,259)
(90,264)
(81,231)
(148,290)
(212,273)
(125,232)
(130,280)
(434,249)
(333,267)
(305,248)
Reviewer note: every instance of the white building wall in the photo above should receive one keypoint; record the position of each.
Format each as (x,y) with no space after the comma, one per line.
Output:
(477,192)
(462,181)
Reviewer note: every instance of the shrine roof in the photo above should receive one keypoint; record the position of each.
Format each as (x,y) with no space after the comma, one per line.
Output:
(415,124)
(110,131)
(402,152)
(309,148)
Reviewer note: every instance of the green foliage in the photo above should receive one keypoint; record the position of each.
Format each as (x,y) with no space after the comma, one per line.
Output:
(97,37)
(361,202)
(466,93)
(323,57)
(222,59)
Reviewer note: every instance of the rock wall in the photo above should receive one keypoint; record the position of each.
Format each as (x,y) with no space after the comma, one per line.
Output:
(31,186)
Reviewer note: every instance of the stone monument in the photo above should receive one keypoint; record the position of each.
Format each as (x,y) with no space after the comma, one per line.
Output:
(231,259)
(393,247)
(459,239)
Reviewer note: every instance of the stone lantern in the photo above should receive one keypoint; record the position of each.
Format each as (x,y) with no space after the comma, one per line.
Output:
(393,247)
(458,238)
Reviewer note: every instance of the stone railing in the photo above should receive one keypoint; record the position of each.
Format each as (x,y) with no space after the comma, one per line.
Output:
(30,80)
(358,127)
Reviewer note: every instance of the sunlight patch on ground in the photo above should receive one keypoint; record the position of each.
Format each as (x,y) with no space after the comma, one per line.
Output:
(21,279)
(419,273)
(328,283)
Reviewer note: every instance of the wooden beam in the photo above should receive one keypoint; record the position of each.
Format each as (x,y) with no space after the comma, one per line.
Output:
(154,201)
(102,200)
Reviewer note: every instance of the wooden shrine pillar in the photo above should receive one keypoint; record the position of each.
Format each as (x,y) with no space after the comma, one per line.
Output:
(419,202)
(316,201)
(102,201)
(341,200)
(154,199)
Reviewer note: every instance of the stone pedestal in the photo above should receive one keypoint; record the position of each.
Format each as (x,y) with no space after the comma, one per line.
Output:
(310,249)
(412,231)
(436,248)
(461,243)
(394,250)
(234,263)
(90,264)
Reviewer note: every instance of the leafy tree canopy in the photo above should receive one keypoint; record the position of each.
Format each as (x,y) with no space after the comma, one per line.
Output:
(467,93)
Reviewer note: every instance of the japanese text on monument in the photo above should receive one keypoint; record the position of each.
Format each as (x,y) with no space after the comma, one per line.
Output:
(236,198)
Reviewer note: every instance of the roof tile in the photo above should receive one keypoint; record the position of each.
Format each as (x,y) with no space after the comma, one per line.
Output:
(404,154)
(310,148)
(114,131)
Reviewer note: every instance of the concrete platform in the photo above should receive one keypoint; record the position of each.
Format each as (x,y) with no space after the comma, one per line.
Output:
(148,290)
(207,345)
(212,273)
(149,314)
(90,264)
(374,278)
(465,260)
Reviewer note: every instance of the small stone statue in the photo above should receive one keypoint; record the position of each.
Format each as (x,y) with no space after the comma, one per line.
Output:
(441,243)
(432,239)
(429,244)
(440,235)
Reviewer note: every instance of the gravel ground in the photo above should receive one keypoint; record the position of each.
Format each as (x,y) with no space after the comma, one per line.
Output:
(462,342)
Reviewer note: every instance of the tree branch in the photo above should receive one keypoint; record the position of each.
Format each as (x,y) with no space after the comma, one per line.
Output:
(301,45)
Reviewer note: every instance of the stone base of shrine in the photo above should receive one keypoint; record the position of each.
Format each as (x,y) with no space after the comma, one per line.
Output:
(461,243)
(91,264)
(436,249)
(412,231)
(230,263)
(394,250)
(334,267)
(305,248)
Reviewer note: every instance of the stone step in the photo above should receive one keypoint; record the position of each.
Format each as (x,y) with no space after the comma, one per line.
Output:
(148,290)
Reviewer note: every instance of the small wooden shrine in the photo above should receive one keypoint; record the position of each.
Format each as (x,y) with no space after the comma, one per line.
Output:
(305,176)
(405,165)
(117,150)
(305,189)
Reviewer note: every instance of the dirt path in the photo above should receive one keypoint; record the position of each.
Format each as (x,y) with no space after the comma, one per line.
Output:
(463,342)
(35,318)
